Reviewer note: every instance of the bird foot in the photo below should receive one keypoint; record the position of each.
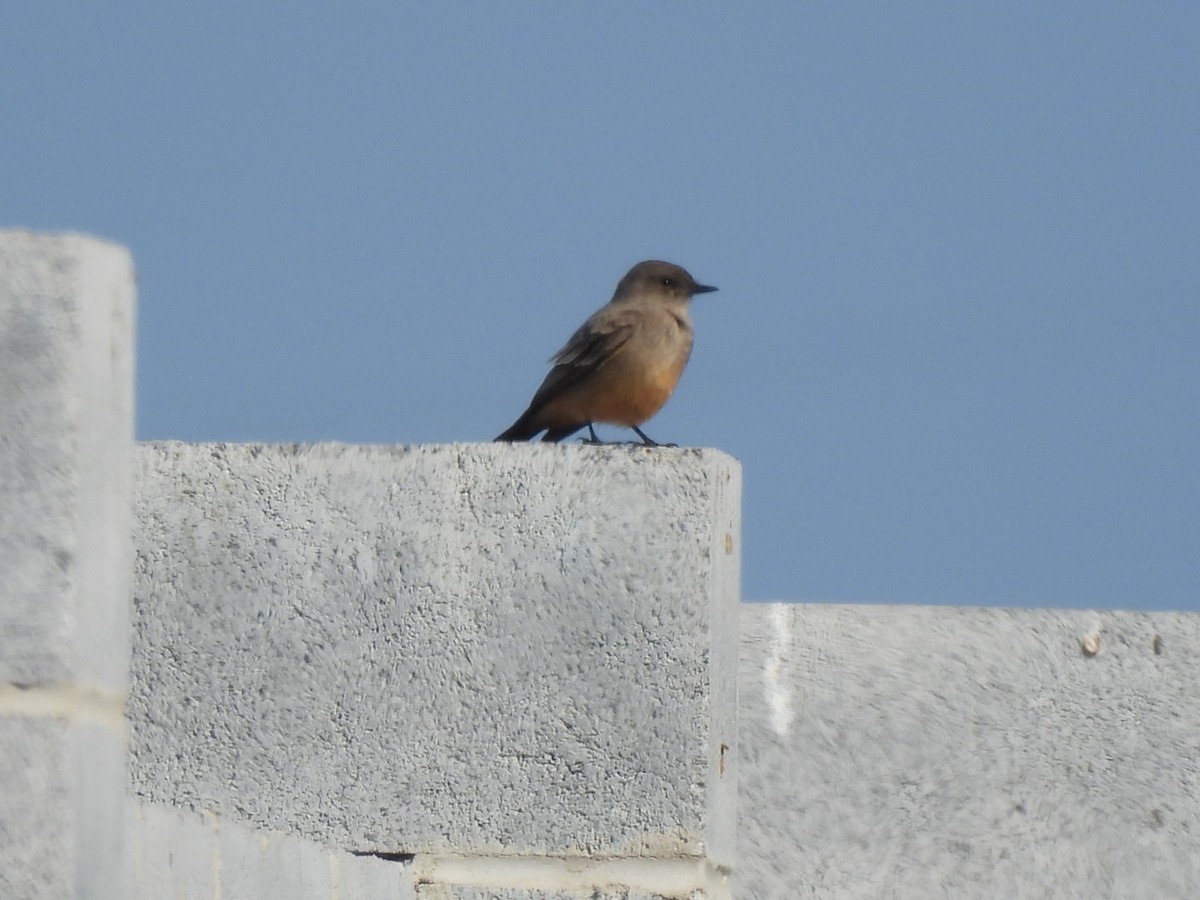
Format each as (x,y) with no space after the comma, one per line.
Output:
(648,441)
(595,441)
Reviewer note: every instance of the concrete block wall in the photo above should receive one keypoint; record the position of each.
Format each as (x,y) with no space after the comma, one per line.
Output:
(66,443)
(514,666)
(930,752)
(357,672)
(512,672)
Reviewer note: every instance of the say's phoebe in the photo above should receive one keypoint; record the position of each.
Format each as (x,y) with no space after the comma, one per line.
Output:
(623,363)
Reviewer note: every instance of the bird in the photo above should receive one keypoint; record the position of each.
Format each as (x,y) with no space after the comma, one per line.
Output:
(622,364)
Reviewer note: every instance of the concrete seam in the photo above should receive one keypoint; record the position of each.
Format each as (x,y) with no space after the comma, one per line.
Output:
(775,681)
(63,702)
(669,878)
(218,868)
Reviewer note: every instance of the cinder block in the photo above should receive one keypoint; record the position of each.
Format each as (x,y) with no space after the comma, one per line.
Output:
(939,752)
(61,809)
(372,878)
(173,853)
(476,648)
(36,792)
(258,865)
(194,856)
(66,442)
(66,416)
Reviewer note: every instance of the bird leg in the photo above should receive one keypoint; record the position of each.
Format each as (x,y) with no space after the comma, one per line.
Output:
(649,442)
(592,439)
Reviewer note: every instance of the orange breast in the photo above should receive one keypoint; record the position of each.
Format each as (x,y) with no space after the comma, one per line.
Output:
(631,398)
(627,389)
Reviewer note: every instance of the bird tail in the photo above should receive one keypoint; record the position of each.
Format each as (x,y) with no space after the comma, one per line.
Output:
(521,430)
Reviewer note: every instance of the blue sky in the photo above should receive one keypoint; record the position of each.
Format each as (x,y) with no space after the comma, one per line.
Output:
(957,341)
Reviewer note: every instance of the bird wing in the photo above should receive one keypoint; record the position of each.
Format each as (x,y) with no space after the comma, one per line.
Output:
(596,342)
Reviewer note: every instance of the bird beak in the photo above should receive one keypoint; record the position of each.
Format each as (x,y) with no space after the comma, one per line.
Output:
(703,289)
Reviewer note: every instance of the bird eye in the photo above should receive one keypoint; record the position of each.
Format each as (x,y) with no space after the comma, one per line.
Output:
(669,282)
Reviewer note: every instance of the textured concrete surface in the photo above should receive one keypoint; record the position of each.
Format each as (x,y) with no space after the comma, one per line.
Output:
(66,434)
(66,442)
(939,752)
(62,794)
(192,856)
(477,648)
(34,779)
